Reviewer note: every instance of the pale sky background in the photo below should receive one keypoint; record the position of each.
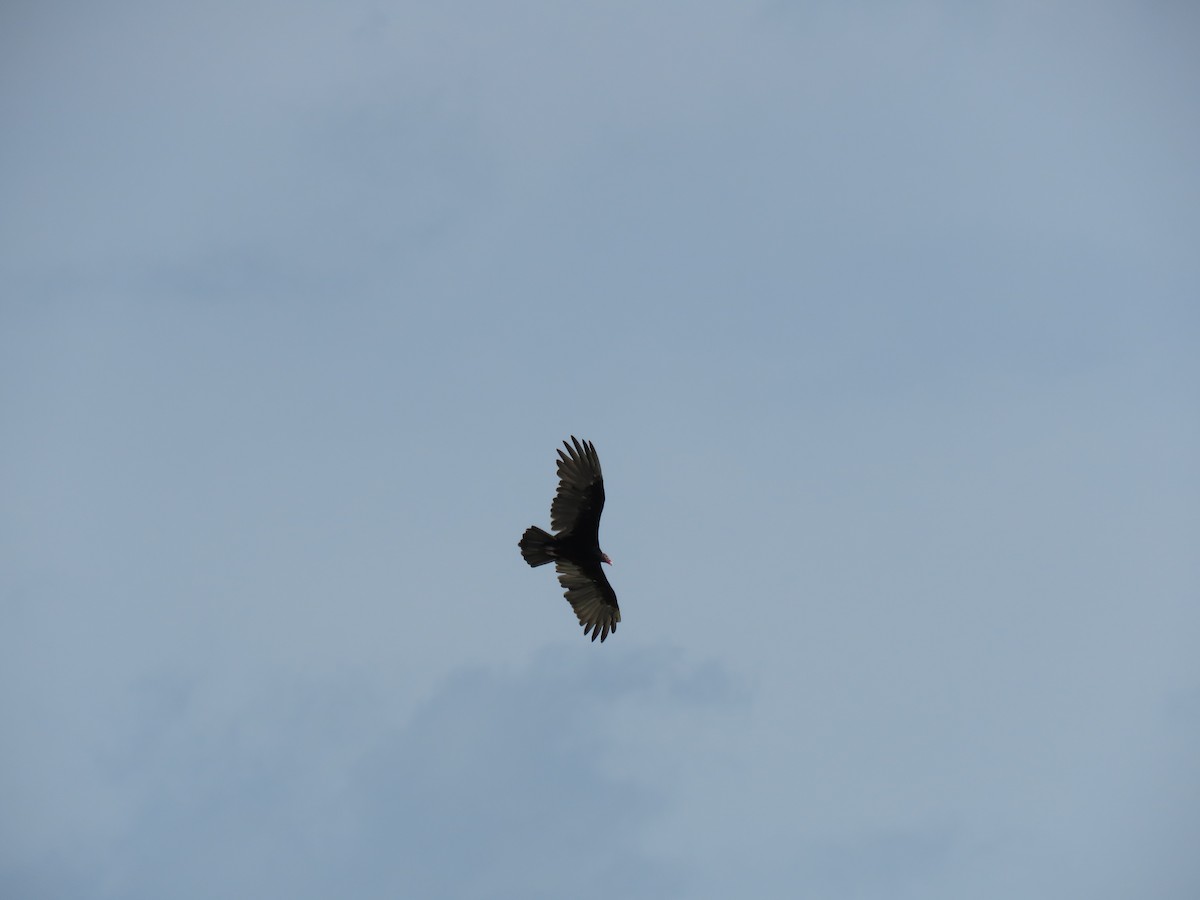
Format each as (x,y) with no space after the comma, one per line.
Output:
(882,317)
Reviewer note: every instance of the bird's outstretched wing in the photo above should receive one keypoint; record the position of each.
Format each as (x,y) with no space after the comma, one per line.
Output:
(580,498)
(591,596)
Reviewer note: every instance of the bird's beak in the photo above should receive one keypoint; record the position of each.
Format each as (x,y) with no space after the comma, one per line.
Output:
(604,558)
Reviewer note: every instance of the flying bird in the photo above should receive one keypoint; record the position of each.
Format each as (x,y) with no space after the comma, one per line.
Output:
(574,548)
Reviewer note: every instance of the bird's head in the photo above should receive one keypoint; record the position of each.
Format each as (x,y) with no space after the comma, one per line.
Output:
(604,558)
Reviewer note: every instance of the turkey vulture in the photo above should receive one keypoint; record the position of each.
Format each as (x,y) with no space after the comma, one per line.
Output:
(575,547)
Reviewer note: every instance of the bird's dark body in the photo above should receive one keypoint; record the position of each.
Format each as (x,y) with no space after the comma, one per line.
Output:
(575,547)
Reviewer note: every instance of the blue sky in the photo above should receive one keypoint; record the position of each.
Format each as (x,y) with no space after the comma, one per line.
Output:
(882,320)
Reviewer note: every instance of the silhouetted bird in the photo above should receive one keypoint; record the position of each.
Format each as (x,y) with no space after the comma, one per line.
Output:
(574,548)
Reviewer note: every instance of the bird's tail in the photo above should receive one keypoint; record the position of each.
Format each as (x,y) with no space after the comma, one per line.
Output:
(537,546)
